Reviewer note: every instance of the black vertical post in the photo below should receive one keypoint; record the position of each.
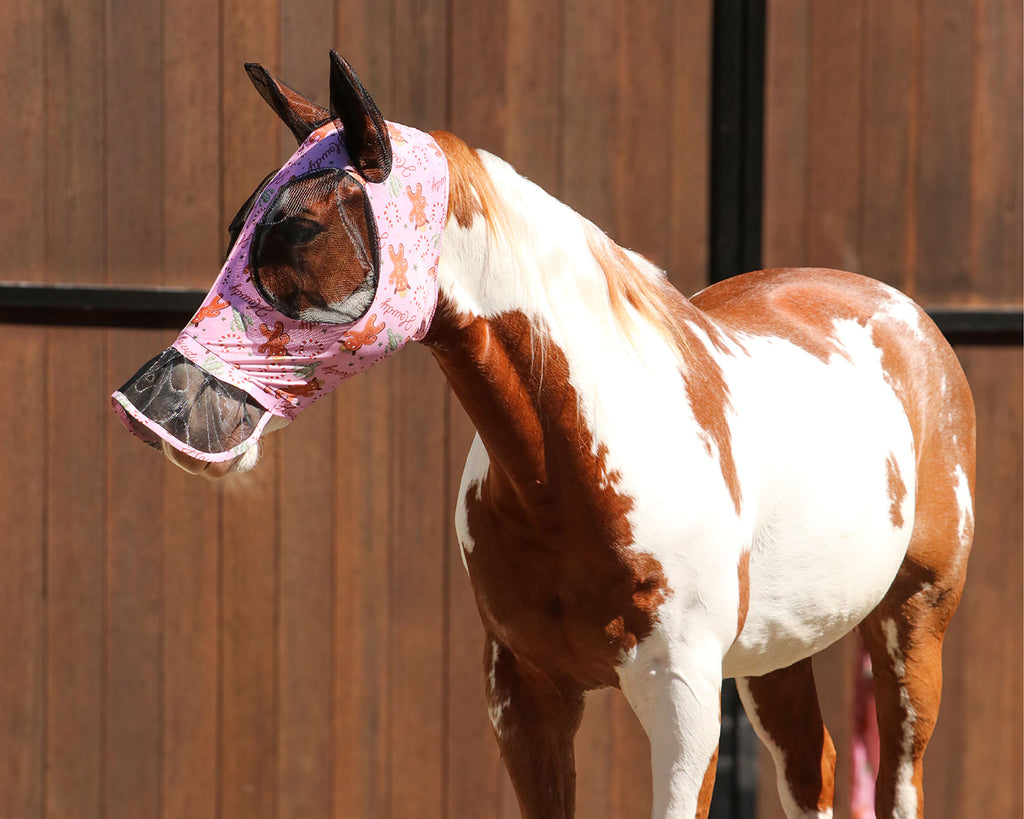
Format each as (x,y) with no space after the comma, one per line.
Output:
(737,134)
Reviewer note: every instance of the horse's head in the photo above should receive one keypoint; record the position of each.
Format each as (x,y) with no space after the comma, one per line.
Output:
(332,267)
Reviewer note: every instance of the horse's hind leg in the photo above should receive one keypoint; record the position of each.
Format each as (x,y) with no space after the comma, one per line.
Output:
(783,708)
(904,633)
(904,636)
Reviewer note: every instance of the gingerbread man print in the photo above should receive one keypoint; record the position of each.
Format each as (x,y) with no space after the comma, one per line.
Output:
(277,338)
(355,339)
(399,267)
(211,309)
(418,214)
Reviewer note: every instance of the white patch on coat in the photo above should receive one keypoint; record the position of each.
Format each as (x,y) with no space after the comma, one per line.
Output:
(965,503)
(814,521)
(496,705)
(902,309)
(906,791)
(473,475)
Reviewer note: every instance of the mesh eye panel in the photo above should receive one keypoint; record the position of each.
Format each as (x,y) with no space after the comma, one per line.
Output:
(314,252)
(194,407)
(238,222)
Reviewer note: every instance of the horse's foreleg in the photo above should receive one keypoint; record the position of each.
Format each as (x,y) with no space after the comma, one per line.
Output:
(676,695)
(535,721)
(783,708)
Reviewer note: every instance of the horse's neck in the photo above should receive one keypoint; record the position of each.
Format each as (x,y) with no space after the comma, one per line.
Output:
(538,310)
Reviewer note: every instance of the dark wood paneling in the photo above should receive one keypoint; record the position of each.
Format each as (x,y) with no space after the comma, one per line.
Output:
(301,641)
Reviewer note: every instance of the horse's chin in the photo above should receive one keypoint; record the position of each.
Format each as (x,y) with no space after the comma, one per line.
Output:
(218,469)
(213,469)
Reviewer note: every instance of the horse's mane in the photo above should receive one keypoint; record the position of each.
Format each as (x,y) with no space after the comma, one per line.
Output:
(638,293)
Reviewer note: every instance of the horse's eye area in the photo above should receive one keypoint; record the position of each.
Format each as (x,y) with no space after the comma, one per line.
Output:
(297,230)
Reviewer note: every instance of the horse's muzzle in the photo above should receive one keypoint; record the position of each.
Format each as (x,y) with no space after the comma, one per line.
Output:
(172,401)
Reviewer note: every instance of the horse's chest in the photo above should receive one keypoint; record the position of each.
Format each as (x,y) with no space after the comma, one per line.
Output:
(558,584)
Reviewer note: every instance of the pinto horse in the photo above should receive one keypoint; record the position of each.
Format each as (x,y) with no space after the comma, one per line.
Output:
(663,492)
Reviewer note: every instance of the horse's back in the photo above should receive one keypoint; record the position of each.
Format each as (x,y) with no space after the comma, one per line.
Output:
(853,434)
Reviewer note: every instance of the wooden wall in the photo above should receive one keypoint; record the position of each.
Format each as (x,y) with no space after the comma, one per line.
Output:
(300,642)
(893,148)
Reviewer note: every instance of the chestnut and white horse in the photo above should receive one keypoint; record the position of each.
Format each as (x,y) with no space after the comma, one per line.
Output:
(665,492)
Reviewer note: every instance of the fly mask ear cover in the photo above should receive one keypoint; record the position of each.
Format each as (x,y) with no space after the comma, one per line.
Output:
(255,348)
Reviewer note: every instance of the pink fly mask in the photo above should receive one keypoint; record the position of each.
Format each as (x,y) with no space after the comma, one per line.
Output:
(332,267)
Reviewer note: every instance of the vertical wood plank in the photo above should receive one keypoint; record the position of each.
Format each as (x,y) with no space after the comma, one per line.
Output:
(997,116)
(191,642)
(75,373)
(75,525)
(590,64)
(787,91)
(642,125)
(307,518)
(833,142)
(688,148)
(134,585)
(477,103)
(944,153)
(195,236)
(363,498)
(250,147)
(22,133)
(418,435)
(134,160)
(22,581)
(889,129)
(23,418)
(533,87)
(195,230)
(134,235)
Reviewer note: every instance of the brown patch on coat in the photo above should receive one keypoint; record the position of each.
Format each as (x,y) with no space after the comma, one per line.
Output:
(554,569)
(897,491)
(743,570)
(707,787)
(800,305)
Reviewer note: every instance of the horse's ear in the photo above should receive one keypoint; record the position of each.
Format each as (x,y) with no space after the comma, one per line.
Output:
(366,133)
(300,114)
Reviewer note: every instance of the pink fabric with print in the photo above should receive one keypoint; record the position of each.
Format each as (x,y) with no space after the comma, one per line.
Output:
(283,363)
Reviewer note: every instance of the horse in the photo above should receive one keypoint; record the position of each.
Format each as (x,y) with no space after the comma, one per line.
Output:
(663,492)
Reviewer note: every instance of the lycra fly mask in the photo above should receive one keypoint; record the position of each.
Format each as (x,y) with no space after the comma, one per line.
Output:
(328,273)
